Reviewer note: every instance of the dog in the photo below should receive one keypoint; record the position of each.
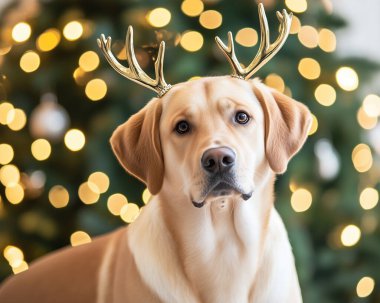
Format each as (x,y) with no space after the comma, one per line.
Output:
(209,150)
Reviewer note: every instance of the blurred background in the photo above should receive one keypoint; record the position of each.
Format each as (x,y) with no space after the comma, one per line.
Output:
(60,101)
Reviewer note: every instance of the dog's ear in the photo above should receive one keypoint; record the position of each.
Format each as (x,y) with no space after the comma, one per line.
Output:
(287,123)
(137,146)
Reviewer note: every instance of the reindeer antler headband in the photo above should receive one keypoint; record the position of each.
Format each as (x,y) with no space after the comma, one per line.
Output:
(265,53)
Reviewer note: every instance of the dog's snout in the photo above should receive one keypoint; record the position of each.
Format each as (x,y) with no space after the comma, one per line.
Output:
(218,159)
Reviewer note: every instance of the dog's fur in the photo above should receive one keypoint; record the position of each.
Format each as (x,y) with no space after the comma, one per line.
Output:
(228,251)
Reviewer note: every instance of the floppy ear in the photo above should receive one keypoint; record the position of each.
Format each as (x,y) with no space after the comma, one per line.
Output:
(137,146)
(287,123)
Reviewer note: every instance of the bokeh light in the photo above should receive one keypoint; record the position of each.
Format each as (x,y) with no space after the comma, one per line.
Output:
(13,255)
(301,200)
(295,26)
(314,125)
(16,119)
(75,139)
(6,153)
(41,149)
(365,121)
(369,198)
(159,17)
(309,68)
(325,94)
(59,196)
(365,287)
(308,36)
(275,81)
(79,238)
(89,61)
(192,8)
(115,203)
(192,41)
(362,158)
(73,30)
(5,108)
(247,37)
(87,195)
(30,61)
(48,40)
(21,32)
(211,19)
(146,195)
(297,6)
(129,212)
(98,182)
(350,235)
(9,175)
(14,193)
(96,89)
(371,105)
(347,78)
(327,40)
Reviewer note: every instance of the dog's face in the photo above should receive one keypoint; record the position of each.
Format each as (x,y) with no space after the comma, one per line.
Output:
(211,138)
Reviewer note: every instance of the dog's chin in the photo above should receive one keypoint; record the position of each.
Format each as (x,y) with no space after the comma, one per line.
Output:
(222,191)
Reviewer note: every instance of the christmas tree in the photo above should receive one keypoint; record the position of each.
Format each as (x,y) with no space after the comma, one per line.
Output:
(60,101)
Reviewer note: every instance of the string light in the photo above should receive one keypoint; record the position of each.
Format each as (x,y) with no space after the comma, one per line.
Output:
(115,203)
(6,153)
(192,41)
(325,94)
(87,195)
(129,212)
(327,40)
(275,81)
(48,40)
(295,25)
(309,68)
(362,158)
(79,238)
(74,139)
(364,120)
(347,78)
(301,200)
(14,193)
(371,105)
(30,61)
(247,37)
(192,8)
(308,36)
(5,108)
(59,196)
(73,30)
(211,19)
(9,175)
(41,149)
(350,235)
(159,17)
(365,287)
(297,6)
(96,89)
(16,119)
(21,32)
(369,198)
(314,125)
(89,61)
(98,182)
(146,195)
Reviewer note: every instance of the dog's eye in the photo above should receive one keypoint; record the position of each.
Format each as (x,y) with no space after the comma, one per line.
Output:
(241,117)
(182,127)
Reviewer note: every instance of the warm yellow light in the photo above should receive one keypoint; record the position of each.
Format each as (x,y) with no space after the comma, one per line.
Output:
(192,41)
(48,40)
(365,287)
(9,175)
(347,78)
(325,94)
(30,61)
(192,8)
(159,17)
(371,105)
(5,50)
(301,200)
(73,30)
(146,195)
(275,81)
(314,125)
(41,149)
(362,158)
(20,268)
(79,238)
(98,182)
(350,235)
(295,26)
(5,108)
(16,119)
(21,32)
(13,255)
(74,139)
(309,68)
(211,19)
(297,6)
(308,36)
(369,198)
(59,196)
(115,203)
(6,153)
(96,89)
(364,120)
(79,76)
(89,61)
(247,37)
(129,212)
(327,40)
(86,194)
(14,193)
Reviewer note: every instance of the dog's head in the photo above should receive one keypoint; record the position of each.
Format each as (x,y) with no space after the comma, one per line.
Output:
(212,137)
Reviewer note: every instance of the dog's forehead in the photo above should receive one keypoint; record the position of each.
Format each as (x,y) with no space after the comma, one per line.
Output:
(202,93)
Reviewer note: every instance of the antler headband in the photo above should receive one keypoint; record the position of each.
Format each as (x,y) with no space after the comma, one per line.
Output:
(265,53)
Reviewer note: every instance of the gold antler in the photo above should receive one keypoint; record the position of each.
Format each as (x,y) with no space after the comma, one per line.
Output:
(266,50)
(134,71)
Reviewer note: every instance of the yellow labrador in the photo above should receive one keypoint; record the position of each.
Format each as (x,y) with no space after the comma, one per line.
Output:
(208,150)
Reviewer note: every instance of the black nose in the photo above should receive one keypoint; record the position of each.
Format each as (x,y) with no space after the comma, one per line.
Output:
(218,159)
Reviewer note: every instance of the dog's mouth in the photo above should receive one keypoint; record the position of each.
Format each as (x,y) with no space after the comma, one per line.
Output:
(222,189)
